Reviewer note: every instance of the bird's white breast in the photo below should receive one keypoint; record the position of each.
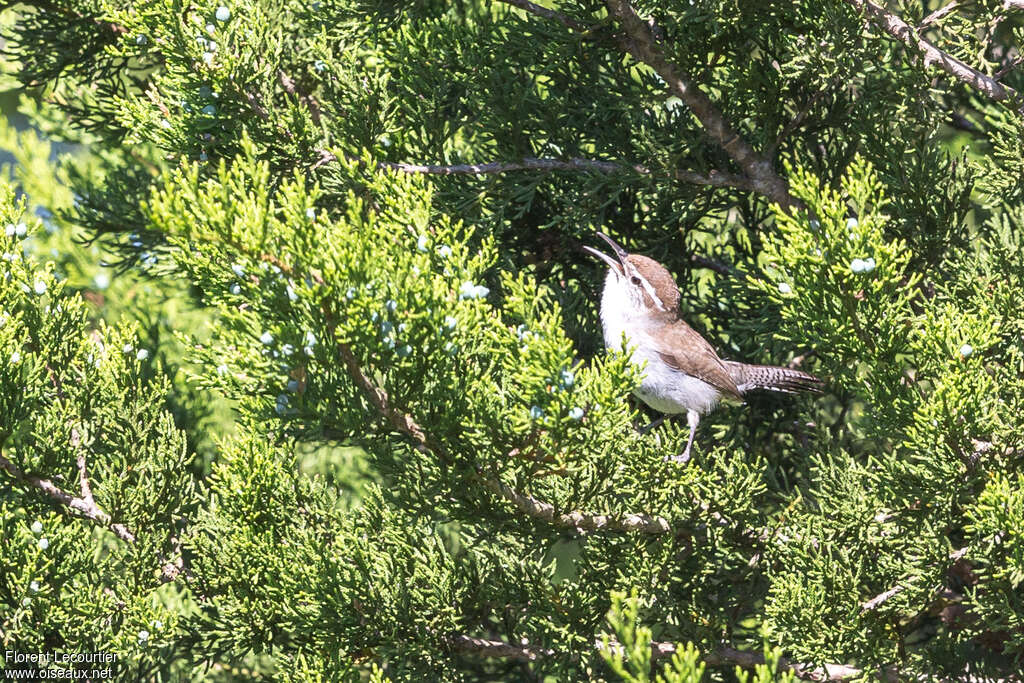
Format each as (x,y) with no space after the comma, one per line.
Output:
(663,388)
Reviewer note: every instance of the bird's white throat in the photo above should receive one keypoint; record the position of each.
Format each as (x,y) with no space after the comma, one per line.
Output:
(667,390)
(621,313)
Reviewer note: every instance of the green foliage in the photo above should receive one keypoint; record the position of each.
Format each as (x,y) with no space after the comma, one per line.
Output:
(995,523)
(345,419)
(629,653)
(77,402)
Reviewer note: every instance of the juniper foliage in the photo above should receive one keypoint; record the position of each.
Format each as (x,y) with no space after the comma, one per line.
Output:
(355,227)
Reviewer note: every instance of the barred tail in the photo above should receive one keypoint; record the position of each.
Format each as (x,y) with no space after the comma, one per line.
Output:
(749,377)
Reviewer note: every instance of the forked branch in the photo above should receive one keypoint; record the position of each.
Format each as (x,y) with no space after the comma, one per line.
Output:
(903,32)
(642,44)
(84,504)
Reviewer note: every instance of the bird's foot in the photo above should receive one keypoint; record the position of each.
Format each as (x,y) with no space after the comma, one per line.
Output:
(682,458)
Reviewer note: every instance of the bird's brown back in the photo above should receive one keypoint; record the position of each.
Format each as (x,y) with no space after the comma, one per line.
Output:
(682,348)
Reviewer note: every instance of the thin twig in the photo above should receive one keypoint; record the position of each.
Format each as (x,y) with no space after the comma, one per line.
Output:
(1008,67)
(401,422)
(493,648)
(879,599)
(939,14)
(83,475)
(990,32)
(712,264)
(642,44)
(546,13)
(798,360)
(876,602)
(714,178)
(900,30)
(312,105)
(795,122)
(582,521)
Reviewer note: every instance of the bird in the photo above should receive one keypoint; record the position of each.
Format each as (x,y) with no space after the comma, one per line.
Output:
(682,373)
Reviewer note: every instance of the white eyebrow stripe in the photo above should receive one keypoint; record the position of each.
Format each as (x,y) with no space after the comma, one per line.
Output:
(647,287)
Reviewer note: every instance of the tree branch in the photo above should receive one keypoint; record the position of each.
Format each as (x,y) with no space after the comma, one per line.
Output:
(641,43)
(715,178)
(1009,66)
(900,30)
(583,521)
(85,504)
(939,14)
(723,656)
(807,672)
(759,176)
(874,602)
(493,648)
(879,599)
(712,264)
(379,399)
(532,507)
(86,507)
(546,13)
(83,475)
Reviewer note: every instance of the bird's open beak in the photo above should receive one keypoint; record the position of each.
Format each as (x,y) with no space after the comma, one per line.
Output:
(616,266)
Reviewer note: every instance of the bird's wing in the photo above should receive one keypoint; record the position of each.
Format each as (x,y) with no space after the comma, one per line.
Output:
(682,348)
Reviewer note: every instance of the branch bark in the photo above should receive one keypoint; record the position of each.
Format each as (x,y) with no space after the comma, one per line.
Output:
(723,656)
(582,521)
(939,14)
(806,672)
(876,601)
(493,648)
(903,32)
(717,266)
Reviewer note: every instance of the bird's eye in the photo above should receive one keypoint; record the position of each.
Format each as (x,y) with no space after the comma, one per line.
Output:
(636,280)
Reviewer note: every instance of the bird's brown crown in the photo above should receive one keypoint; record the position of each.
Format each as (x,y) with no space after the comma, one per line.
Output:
(661,281)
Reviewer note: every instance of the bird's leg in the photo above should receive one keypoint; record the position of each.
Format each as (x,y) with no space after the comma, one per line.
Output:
(644,430)
(693,418)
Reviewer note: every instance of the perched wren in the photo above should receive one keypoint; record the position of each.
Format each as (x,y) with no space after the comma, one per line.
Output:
(682,372)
